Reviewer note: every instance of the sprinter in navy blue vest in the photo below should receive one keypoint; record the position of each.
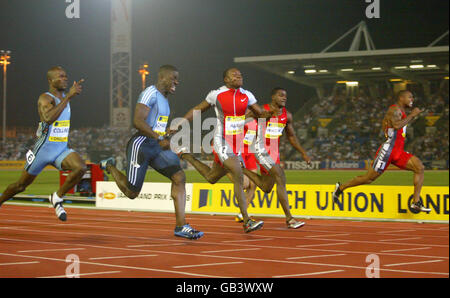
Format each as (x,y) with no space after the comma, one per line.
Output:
(151,147)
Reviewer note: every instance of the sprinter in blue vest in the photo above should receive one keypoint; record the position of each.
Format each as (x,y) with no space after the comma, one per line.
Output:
(151,147)
(52,138)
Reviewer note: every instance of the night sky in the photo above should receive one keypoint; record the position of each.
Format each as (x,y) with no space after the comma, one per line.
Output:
(200,37)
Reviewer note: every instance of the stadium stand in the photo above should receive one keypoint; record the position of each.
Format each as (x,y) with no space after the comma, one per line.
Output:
(351,133)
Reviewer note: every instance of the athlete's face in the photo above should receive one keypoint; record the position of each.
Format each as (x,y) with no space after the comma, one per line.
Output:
(170,82)
(280,98)
(234,79)
(407,99)
(58,79)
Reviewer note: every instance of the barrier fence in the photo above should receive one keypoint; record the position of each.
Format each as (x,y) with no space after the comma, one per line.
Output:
(310,201)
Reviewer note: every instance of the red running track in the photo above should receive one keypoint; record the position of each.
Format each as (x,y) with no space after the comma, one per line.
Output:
(118,244)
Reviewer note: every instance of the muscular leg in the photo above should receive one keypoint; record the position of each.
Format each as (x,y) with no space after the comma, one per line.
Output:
(212,175)
(367,178)
(233,166)
(17,187)
(121,181)
(77,166)
(414,164)
(179,197)
(249,187)
(265,182)
(277,173)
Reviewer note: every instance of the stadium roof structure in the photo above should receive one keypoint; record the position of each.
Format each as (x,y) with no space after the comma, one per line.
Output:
(419,64)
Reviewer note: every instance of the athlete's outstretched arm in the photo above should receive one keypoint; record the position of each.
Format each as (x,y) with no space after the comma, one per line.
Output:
(394,115)
(292,138)
(203,106)
(258,112)
(249,114)
(140,114)
(50,112)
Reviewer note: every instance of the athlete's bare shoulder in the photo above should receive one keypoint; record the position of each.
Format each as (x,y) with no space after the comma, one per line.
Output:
(289,115)
(44,98)
(394,113)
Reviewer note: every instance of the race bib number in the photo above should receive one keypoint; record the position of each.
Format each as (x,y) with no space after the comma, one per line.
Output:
(249,137)
(60,131)
(274,130)
(161,125)
(234,125)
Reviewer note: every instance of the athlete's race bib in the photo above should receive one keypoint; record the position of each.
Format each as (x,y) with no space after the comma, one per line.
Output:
(60,131)
(234,125)
(249,137)
(274,130)
(161,125)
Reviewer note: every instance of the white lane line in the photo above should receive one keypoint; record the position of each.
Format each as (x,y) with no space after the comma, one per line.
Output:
(324,244)
(46,250)
(399,231)
(261,239)
(18,263)
(121,257)
(230,250)
(211,264)
(117,266)
(82,274)
(411,263)
(318,256)
(386,242)
(400,239)
(405,249)
(153,245)
(331,235)
(306,274)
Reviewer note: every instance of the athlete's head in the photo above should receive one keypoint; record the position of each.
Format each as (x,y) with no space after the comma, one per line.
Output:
(279,97)
(405,98)
(167,79)
(57,78)
(232,78)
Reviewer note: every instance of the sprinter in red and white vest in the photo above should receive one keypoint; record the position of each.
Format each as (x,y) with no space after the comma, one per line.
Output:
(230,102)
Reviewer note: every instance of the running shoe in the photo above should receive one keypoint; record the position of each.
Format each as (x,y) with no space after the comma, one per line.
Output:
(109,161)
(418,206)
(337,192)
(294,224)
(253,225)
(239,218)
(188,232)
(59,209)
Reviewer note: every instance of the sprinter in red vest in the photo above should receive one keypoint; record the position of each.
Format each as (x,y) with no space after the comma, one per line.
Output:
(392,150)
(264,150)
